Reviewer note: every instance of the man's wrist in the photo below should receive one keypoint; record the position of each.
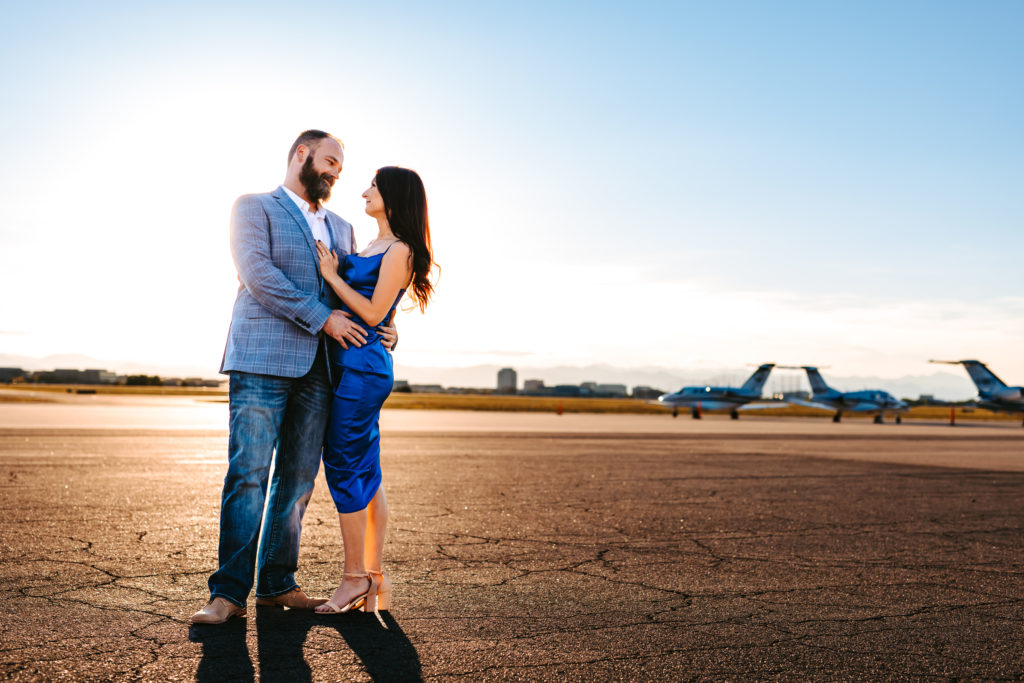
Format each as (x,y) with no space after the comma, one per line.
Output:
(320,318)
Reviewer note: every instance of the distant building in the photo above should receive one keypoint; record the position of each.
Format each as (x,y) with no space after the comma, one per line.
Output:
(591,389)
(61,376)
(65,376)
(401,386)
(11,374)
(200,382)
(613,390)
(72,376)
(798,395)
(426,388)
(533,386)
(507,381)
(189,382)
(96,376)
(646,392)
(927,400)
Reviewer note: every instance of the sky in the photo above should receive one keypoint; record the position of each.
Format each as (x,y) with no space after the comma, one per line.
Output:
(643,184)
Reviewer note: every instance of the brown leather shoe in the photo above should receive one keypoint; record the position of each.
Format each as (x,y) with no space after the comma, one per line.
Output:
(217,611)
(293,599)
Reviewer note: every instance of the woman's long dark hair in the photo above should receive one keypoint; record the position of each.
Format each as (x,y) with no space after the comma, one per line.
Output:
(405,204)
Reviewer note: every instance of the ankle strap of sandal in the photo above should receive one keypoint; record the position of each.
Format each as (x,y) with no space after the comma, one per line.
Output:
(377,572)
(356,575)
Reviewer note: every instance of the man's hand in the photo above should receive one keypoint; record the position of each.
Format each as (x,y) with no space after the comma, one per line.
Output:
(344,330)
(388,335)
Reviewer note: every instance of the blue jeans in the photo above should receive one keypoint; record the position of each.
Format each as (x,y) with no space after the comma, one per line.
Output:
(267,413)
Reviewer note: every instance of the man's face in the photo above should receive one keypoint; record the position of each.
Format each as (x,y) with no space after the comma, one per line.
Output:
(321,168)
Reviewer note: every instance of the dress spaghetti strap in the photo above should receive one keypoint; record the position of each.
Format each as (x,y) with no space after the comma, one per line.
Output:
(389,246)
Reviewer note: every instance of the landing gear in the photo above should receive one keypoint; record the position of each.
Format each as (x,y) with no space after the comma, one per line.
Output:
(675,412)
(899,419)
(734,415)
(838,416)
(695,413)
(878,419)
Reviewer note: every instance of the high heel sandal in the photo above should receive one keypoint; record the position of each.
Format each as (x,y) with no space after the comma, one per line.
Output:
(356,602)
(383,589)
(376,599)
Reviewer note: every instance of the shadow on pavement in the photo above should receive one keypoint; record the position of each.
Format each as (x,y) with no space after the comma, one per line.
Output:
(387,655)
(225,653)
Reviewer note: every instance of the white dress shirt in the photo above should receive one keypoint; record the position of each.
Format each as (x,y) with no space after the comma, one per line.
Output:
(317,221)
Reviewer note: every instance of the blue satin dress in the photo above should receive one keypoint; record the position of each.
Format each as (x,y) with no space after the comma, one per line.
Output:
(363,378)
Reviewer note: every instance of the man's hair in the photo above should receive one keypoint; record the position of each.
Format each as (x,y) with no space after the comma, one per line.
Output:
(311,138)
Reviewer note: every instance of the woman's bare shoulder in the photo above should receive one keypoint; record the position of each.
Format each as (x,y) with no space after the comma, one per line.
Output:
(399,248)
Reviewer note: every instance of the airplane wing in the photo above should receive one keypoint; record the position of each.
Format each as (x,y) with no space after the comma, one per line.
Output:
(763,405)
(863,407)
(810,404)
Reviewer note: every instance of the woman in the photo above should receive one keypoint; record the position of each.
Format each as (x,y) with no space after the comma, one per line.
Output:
(370,285)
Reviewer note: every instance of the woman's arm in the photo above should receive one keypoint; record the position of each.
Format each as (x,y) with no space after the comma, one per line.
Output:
(395,273)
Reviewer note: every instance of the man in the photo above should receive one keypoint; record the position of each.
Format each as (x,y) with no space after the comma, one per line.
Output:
(280,391)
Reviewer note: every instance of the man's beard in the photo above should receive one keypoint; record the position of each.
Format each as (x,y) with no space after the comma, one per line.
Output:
(318,185)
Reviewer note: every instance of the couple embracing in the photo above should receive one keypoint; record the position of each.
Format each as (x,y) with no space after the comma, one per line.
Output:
(308,355)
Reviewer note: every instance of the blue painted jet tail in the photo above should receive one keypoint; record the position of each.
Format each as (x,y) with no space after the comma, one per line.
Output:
(983,378)
(757,380)
(818,385)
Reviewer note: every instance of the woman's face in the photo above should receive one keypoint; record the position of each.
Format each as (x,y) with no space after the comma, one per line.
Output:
(374,202)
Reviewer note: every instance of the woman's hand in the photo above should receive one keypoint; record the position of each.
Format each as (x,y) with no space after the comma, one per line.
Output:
(328,261)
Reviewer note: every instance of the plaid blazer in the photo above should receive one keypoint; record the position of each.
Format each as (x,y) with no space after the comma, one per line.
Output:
(282,302)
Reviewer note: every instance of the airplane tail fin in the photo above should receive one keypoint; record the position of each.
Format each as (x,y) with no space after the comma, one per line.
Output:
(983,378)
(818,385)
(760,376)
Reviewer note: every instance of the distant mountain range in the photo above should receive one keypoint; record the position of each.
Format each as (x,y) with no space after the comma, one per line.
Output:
(942,385)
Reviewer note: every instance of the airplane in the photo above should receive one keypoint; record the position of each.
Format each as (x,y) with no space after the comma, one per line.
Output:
(701,398)
(993,393)
(865,402)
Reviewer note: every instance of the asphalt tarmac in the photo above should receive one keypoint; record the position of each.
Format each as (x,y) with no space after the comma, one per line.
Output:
(522,547)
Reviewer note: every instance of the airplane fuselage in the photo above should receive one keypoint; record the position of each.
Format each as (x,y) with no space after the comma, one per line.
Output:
(709,398)
(701,398)
(867,402)
(1007,400)
(993,394)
